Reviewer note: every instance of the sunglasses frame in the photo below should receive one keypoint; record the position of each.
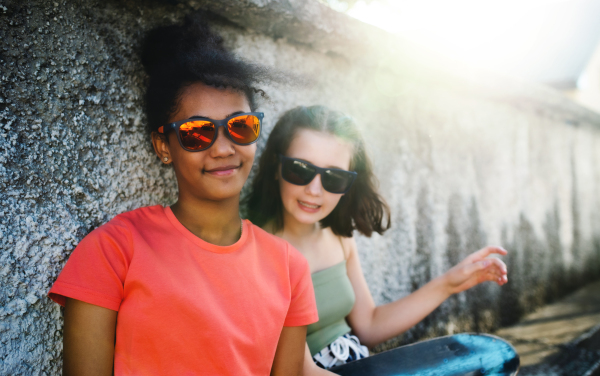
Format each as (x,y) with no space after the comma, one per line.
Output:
(319,170)
(218,123)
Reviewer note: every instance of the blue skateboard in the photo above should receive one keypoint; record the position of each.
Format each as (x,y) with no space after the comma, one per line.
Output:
(456,355)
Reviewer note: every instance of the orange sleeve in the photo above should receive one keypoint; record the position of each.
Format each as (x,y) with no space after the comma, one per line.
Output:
(303,307)
(97,268)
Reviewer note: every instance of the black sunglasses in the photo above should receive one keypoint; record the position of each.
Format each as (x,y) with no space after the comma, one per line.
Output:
(299,172)
(199,133)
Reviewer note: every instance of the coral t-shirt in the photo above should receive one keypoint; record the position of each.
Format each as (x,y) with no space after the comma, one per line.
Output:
(188,307)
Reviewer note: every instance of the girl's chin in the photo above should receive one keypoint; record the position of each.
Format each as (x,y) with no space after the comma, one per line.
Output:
(308,218)
(223,194)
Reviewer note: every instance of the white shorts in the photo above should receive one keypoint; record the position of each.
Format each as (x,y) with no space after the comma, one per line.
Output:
(344,349)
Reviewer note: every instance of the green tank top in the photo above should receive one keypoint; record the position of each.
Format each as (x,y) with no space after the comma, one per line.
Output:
(335,299)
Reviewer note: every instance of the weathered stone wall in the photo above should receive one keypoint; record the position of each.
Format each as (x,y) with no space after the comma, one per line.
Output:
(464,158)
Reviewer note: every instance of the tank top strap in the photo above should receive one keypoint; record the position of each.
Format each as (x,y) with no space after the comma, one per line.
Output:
(343,249)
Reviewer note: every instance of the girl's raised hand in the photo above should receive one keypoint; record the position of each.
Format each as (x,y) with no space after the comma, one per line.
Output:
(477,268)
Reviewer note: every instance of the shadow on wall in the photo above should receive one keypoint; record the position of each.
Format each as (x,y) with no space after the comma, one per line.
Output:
(537,272)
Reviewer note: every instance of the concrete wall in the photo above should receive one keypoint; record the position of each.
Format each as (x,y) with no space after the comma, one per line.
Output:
(464,158)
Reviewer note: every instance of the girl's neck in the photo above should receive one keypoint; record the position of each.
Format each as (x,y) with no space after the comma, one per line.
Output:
(320,246)
(296,232)
(216,222)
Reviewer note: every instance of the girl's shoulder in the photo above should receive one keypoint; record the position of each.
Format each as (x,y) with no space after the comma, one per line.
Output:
(124,223)
(146,213)
(274,247)
(347,244)
(263,235)
(269,227)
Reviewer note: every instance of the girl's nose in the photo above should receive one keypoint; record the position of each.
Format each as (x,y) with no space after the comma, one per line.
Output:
(314,188)
(223,147)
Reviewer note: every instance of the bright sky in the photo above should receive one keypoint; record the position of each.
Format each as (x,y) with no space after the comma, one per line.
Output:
(543,40)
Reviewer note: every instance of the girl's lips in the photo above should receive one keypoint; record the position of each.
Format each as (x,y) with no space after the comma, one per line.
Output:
(308,207)
(222,171)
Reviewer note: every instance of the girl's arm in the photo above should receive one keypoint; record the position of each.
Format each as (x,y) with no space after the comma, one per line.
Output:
(374,325)
(88,339)
(289,356)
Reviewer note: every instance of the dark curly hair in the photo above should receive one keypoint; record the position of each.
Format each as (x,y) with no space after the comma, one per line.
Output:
(362,208)
(176,56)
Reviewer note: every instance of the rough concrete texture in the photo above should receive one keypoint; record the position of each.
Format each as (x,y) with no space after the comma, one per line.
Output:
(464,158)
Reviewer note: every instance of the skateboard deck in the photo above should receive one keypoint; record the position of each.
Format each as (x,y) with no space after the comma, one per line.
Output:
(457,355)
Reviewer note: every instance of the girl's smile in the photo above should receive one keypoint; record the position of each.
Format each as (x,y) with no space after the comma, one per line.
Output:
(308,207)
(223,170)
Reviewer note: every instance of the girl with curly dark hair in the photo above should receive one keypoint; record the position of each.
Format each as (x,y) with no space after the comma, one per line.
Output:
(189,289)
(314,187)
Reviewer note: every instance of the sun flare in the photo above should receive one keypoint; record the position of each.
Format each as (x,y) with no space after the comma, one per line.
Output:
(497,35)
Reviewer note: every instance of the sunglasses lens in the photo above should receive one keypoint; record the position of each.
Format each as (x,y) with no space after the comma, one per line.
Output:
(197,134)
(244,129)
(336,181)
(297,172)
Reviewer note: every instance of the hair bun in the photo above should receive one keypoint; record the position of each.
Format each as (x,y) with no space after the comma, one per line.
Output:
(190,52)
(168,45)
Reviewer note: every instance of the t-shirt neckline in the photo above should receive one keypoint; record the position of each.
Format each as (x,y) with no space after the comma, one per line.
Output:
(202,243)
